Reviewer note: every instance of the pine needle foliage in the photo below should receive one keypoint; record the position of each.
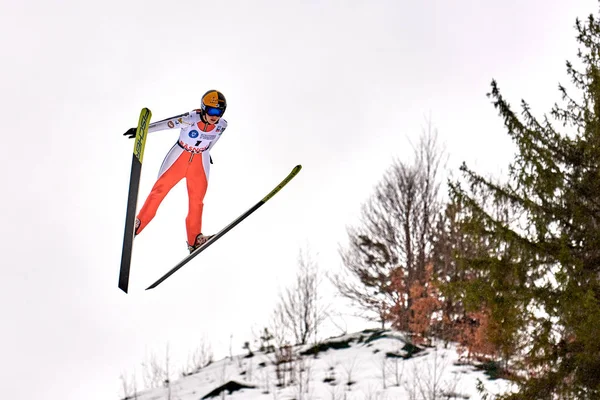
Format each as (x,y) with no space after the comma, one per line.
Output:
(539,276)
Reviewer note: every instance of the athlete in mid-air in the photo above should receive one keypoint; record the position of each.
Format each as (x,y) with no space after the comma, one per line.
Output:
(189,158)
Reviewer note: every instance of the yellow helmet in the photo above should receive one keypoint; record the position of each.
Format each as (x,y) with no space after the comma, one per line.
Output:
(214,103)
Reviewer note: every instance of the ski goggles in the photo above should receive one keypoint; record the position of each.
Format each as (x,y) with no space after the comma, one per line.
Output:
(213,111)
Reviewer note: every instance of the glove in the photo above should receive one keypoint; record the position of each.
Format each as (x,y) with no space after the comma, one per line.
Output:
(130,133)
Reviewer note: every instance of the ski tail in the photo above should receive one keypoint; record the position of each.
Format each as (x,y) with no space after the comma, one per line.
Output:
(223,231)
(134,184)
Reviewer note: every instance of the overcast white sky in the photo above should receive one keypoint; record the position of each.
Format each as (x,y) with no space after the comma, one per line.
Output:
(340,87)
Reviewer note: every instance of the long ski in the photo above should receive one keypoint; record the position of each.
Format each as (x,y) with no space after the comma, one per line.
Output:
(223,231)
(134,185)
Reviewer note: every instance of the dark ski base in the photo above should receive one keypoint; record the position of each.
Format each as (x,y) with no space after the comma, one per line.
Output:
(134,185)
(228,227)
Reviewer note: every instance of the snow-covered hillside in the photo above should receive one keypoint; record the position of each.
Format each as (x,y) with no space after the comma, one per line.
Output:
(373,364)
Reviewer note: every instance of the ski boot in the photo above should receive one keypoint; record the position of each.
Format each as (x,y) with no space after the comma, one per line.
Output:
(200,240)
(136,227)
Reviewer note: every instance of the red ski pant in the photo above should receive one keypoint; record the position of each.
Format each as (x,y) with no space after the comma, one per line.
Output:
(177,165)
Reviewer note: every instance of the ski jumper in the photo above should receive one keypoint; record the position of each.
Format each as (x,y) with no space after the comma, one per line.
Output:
(189,158)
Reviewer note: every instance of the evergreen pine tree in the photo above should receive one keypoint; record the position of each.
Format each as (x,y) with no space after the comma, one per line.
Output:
(541,282)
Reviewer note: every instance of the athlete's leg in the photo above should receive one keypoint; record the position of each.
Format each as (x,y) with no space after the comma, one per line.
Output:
(172,171)
(197,183)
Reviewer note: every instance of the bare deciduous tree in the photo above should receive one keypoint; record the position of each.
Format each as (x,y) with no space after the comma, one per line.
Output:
(157,374)
(152,372)
(303,366)
(200,358)
(430,381)
(129,387)
(284,371)
(301,310)
(394,233)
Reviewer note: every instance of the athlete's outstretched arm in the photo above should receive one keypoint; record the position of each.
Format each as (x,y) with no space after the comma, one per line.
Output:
(169,123)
